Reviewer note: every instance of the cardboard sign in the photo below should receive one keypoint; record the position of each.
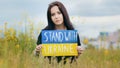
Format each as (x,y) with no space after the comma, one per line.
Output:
(59,43)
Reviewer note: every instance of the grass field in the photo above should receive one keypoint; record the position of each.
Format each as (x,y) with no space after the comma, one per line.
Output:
(17,52)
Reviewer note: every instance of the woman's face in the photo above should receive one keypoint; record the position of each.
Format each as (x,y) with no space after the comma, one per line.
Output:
(56,16)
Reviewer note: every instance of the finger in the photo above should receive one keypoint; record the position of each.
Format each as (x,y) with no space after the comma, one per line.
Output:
(80,51)
(38,48)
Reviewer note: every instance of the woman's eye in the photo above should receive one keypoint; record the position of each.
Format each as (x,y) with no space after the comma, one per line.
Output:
(59,12)
(52,14)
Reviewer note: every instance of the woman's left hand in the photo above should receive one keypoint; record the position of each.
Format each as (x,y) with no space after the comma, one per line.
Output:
(80,50)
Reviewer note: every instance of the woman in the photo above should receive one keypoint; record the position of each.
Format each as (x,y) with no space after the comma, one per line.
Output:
(58,19)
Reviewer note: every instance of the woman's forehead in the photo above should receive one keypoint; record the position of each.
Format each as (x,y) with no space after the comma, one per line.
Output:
(54,9)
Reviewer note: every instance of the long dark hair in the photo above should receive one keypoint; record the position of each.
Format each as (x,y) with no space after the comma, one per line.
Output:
(67,23)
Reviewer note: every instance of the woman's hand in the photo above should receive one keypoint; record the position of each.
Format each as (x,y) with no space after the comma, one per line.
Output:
(38,47)
(80,50)
(37,50)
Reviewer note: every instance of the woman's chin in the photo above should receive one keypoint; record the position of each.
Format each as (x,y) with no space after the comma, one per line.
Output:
(58,24)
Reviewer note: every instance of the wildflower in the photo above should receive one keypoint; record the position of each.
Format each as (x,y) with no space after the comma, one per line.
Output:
(85,41)
(17,46)
(1,62)
(106,52)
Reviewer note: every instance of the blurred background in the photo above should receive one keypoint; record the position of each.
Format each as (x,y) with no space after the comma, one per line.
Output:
(97,22)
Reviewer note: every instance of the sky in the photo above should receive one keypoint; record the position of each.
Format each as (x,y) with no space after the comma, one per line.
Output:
(88,16)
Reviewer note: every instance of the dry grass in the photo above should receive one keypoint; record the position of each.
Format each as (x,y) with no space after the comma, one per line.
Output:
(17,52)
(12,56)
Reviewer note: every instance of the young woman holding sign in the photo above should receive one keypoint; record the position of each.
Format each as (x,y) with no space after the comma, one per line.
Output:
(58,19)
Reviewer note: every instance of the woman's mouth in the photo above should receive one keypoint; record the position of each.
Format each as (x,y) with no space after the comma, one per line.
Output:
(57,20)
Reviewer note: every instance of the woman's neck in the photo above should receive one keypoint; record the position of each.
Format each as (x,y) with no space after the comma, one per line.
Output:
(60,27)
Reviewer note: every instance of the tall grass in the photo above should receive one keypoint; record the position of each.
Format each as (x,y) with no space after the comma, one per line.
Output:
(17,52)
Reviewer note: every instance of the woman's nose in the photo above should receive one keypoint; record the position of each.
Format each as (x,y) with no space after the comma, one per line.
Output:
(56,16)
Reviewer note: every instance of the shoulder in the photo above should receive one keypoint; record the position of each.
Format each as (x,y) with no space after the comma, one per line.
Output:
(46,28)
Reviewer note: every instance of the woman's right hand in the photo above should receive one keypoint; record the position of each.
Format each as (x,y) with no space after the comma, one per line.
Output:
(38,47)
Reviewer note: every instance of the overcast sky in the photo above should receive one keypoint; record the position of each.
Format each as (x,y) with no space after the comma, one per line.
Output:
(90,16)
